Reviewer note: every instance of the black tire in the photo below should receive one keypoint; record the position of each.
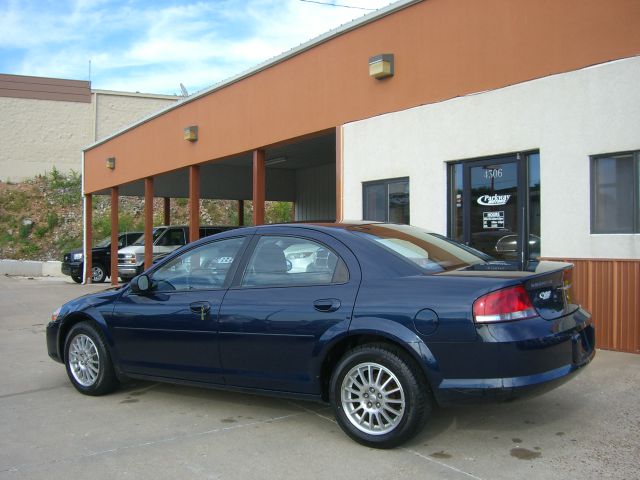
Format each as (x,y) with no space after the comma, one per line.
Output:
(98,273)
(88,362)
(383,422)
(76,278)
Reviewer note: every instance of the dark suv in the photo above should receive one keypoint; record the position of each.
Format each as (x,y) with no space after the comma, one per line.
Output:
(73,262)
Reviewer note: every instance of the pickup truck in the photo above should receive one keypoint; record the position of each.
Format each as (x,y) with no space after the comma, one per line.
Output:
(73,261)
(165,240)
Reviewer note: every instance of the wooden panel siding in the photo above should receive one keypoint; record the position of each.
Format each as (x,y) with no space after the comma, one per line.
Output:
(610,290)
(40,88)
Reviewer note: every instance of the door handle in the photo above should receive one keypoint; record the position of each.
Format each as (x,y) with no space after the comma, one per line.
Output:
(200,308)
(327,304)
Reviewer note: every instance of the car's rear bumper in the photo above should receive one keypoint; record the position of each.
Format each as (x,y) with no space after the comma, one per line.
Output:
(529,359)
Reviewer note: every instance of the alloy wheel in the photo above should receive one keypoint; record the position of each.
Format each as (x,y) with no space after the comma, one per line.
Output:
(373,398)
(84,360)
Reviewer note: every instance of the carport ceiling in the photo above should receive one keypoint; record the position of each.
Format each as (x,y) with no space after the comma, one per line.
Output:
(231,178)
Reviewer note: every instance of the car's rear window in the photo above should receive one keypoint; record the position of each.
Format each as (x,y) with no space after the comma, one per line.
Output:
(156,233)
(432,253)
(104,243)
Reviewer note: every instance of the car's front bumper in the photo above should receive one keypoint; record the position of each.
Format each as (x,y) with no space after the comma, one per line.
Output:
(521,359)
(53,329)
(73,269)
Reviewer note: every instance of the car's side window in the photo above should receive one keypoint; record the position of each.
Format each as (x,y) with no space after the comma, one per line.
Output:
(202,268)
(289,261)
(173,237)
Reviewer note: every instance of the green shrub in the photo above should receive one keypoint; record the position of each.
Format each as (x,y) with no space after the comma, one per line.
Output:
(41,231)
(277,212)
(29,250)
(52,220)
(24,230)
(64,243)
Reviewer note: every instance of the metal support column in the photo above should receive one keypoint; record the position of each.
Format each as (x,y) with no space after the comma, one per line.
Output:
(194,203)
(88,242)
(258,187)
(114,235)
(148,222)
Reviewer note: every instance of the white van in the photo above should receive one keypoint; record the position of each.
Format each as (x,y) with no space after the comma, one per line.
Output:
(165,240)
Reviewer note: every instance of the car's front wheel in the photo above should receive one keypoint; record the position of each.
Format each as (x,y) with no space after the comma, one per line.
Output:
(378,397)
(77,278)
(88,361)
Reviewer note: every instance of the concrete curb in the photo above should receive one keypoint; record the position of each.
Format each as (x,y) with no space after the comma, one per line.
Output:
(30,268)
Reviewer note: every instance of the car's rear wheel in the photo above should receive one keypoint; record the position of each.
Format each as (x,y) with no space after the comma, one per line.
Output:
(378,397)
(88,361)
(98,273)
(77,278)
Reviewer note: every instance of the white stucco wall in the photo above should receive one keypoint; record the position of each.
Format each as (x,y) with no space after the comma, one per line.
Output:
(35,135)
(568,117)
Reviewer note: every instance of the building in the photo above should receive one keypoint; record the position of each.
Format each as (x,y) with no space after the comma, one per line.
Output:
(510,125)
(46,122)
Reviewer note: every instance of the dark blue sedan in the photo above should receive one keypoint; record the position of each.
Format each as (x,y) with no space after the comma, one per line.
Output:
(383,321)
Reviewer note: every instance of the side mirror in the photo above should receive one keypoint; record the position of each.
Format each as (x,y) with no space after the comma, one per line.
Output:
(141,284)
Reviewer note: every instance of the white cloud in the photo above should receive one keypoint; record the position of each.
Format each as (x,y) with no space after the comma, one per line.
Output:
(154,48)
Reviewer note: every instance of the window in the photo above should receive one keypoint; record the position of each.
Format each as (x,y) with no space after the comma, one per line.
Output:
(175,236)
(202,268)
(432,253)
(386,200)
(280,261)
(615,192)
(156,234)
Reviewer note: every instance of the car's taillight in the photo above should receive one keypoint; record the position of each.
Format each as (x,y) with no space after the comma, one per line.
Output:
(506,305)
(567,283)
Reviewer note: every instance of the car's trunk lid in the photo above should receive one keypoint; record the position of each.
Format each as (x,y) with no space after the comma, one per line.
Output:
(549,284)
(551,294)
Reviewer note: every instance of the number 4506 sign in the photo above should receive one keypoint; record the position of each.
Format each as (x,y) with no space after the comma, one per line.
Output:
(493,173)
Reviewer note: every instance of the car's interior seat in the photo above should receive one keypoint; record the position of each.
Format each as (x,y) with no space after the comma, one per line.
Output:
(268,266)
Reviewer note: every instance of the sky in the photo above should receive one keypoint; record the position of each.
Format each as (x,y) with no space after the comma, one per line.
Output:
(152,46)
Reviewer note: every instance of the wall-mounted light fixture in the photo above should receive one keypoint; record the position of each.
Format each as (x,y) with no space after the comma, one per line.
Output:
(275,161)
(381,66)
(111,163)
(191,133)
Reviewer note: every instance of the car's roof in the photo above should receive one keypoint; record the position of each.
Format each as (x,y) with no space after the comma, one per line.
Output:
(325,224)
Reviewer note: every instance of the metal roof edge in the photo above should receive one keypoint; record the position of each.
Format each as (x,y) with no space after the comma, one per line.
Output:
(303,47)
(118,93)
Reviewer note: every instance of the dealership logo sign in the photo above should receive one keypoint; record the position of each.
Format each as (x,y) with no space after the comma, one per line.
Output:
(492,200)
(546,295)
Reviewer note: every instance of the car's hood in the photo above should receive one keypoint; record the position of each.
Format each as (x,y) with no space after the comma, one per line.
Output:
(90,300)
(132,249)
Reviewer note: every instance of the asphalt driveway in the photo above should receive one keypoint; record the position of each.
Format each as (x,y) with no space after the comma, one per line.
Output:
(588,428)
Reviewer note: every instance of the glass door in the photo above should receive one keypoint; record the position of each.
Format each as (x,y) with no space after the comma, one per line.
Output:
(493,208)
(489,205)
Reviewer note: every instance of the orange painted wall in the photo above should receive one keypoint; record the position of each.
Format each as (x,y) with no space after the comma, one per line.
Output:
(609,290)
(443,49)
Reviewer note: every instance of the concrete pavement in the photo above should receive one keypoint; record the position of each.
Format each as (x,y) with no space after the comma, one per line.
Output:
(587,428)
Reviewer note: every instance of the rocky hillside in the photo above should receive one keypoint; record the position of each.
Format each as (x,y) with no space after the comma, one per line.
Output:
(41,218)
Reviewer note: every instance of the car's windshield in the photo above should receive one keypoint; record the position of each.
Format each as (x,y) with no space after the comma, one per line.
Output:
(156,233)
(104,243)
(431,252)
